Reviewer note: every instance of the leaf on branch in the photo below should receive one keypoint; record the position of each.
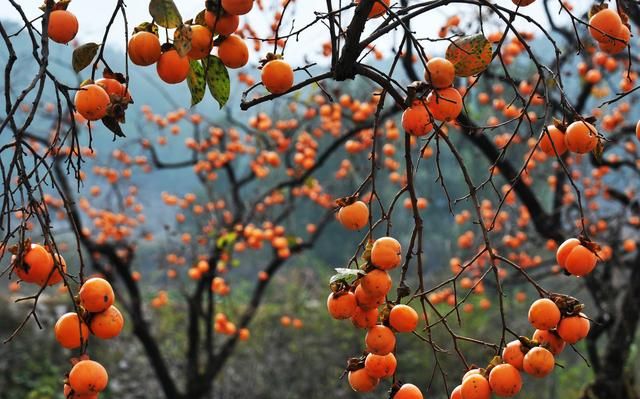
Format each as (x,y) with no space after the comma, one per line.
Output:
(598,151)
(196,82)
(199,19)
(182,40)
(217,79)
(165,13)
(83,55)
(344,274)
(470,55)
(227,239)
(112,124)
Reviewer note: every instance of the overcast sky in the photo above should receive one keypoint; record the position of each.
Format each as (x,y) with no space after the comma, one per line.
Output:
(94,15)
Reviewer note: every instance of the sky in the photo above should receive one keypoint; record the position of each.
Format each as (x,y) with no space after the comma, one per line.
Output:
(94,16)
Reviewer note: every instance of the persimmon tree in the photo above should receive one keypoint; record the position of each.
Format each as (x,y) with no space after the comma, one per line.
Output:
(531,92)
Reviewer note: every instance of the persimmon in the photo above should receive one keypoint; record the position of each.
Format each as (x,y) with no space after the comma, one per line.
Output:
(96,295)
(445,104)
(237,7)
(114,88)
(574,328)
(386,253)
(233,52)
(380,366)
(550,339)
(456,393)
(201,43)
(277,76)
(554,139)
(68,329)
(366,301)
(523,3)
(91,102)
(581,137)
(38,266)
(63,26)
(361,381)
(475,386)
(380,340)
(376,283)
(440,72)
(354,216)
(69,395)
(378,9)
(403,318)
(617,44)
(580,261)
(364,318)
(416,119)
(544,314)
(225,24)
(564,249)
(512,354)
(341,305)
(408,391)
(88,376)
(172,68)
(107,324)
(144,48)
(638,130)
(505,380)
(604,24)
(538,362)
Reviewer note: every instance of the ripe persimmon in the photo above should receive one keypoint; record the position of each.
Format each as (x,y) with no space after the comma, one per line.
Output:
(225,25)
(550,339)
(378,9)
(538,362)
(512,354)
(408,391)
(364,318)
(456,393)
(233,52)
(87,377)
(277,76)
(544,314)
(38,267)
(576,258)
(365,301)
(201,43)
(380,340)
(354,216)
(114,88)
(505,380)
(341,305)
(63,26)
(96,295)
(617,44)
(574,328)
(376,283)
(361,381)
(445,104)
(91,102)
(581,137)
(475,386)
(403,318)
(69,395)
(380,366)
(386,253)
(440,72)
(237,7)
(144,48)
(554,138)
(68,329)
(604,23)
(416,119)
(172,68)
(107,324)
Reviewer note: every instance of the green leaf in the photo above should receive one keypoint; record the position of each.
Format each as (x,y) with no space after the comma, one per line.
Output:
(470,55)
(83,55)
(226,239)
(165,13)
(196,82)
(217,79)
(348,275)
